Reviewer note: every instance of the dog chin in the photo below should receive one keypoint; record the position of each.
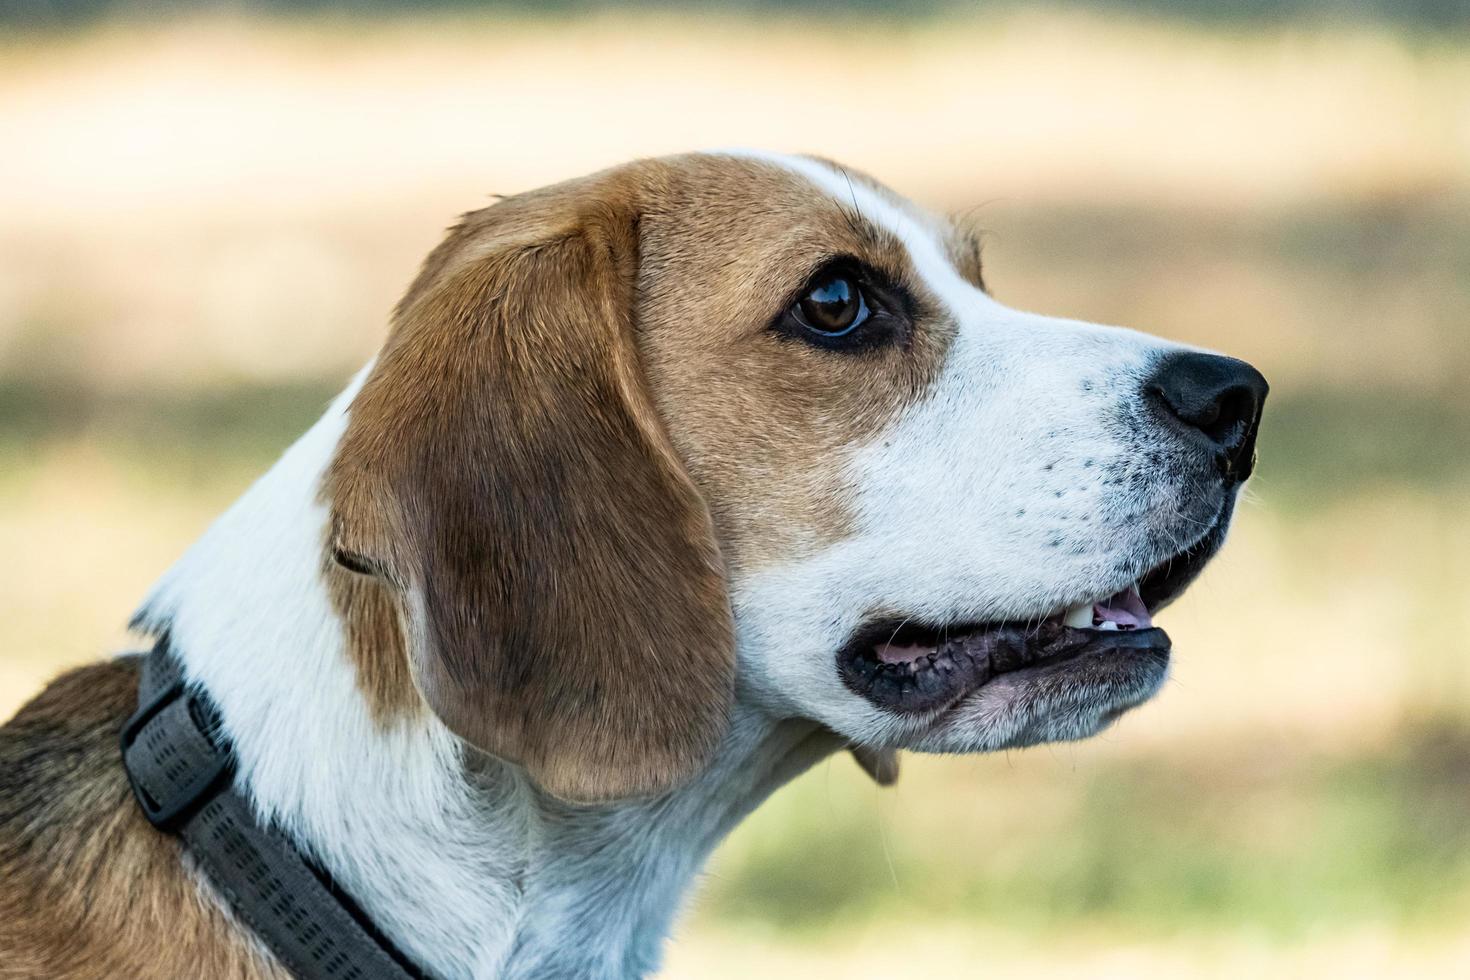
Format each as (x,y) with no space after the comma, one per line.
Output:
(1060,702)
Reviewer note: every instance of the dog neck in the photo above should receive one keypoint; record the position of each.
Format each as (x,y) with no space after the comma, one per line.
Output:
(456,856)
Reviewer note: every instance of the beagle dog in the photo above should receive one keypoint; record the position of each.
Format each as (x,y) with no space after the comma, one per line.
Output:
(667,483)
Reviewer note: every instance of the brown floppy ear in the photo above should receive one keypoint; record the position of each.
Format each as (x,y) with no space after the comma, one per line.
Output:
(505,470)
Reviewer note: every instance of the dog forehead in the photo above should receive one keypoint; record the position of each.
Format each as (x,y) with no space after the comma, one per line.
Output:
(750,225)
(790,186)
(749,218)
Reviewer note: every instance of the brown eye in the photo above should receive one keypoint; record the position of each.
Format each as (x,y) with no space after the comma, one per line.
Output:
(845,306)
(833,306)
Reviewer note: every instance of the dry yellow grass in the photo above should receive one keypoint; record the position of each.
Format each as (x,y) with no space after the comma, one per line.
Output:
(248,198)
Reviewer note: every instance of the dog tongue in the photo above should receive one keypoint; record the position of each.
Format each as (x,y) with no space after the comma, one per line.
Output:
(1125,610)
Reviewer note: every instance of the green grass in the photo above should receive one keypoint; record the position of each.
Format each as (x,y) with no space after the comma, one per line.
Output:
(1256,839)
(192,439)
(1327,445)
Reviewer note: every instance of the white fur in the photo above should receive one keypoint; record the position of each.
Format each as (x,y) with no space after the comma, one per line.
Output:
(388,813)
(988,500)
(473,871)
(460,861)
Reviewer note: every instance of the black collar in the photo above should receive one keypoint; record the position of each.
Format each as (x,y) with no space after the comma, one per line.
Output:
(181,769)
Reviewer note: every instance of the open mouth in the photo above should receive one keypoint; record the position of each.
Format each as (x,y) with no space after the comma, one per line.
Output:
(911,668)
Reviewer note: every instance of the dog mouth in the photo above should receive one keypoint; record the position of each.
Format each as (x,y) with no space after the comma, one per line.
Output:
(909,667)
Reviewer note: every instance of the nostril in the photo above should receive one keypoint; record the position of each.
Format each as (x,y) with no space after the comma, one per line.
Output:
(1224,418)
(1205,419)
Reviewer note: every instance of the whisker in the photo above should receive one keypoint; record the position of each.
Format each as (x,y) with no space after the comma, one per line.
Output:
(900,626)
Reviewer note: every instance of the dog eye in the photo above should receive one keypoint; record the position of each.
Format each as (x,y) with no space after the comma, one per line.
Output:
(847,307)
(834,306)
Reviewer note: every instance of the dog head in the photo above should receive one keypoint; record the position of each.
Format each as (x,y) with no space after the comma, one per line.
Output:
(731,425)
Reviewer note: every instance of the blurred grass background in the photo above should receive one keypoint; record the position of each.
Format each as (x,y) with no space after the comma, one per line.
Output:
(207,215)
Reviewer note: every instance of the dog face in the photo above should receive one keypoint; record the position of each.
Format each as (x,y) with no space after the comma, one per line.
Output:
(906,474)
(734,425)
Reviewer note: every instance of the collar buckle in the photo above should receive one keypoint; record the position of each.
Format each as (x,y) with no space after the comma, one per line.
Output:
(173,764)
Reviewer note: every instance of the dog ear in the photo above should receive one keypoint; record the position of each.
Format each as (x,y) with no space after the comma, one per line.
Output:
(505,469)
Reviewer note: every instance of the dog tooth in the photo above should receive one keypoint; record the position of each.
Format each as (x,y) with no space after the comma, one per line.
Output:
(1079,617)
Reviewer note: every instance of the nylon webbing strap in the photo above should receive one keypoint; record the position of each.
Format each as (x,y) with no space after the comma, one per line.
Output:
(181,771)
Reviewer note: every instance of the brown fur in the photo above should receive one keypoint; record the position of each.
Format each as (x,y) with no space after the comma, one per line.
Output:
(369,614)
(763,422)
(88,890)
(966,243)
(579,425)
(504,467)
(578,400)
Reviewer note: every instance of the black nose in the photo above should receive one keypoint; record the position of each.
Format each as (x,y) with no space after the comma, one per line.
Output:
(1214,401)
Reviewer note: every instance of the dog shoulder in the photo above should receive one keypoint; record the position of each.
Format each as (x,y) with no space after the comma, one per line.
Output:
(87,888)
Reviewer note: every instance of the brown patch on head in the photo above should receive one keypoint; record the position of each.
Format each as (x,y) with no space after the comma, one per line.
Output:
(765,422)
(504,470)
(580,396)
(965,244)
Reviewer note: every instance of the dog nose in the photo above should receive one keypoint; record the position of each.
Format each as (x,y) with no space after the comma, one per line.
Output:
(1216,402)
